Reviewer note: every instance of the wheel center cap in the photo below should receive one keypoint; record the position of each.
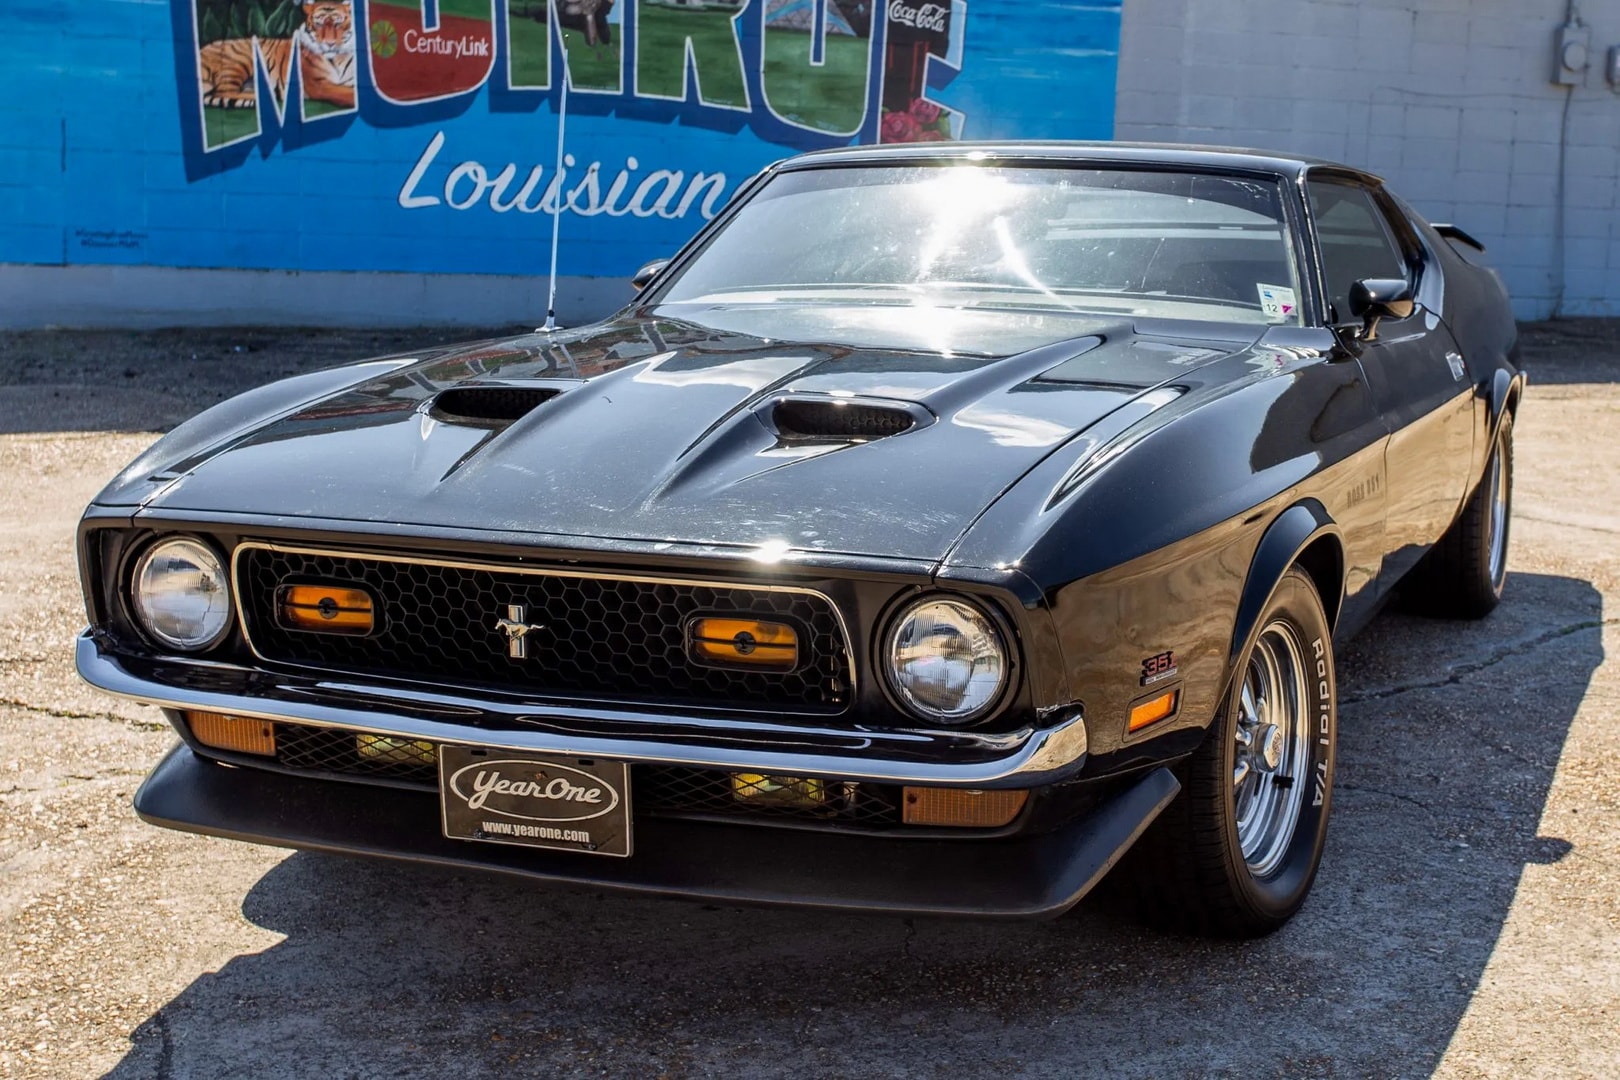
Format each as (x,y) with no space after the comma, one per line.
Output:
(1270,745)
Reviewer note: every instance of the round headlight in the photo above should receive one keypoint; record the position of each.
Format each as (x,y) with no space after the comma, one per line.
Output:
(181,596)
(946,660)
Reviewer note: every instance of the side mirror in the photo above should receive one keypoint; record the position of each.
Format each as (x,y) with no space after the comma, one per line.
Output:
(647,273)
(1372,299)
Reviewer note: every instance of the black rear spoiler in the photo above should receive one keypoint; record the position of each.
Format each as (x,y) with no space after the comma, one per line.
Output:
(1455,232)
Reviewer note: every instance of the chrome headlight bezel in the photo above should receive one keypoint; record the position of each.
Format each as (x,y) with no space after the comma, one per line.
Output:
(986,621)
(216,623)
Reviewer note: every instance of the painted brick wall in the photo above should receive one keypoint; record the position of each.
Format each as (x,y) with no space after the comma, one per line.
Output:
(1451,101)
(133,163)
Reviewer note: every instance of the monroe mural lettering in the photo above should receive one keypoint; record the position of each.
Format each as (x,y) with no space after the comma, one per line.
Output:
(705,40)
(420,136)
(812,61)
(415,58)
(311,44)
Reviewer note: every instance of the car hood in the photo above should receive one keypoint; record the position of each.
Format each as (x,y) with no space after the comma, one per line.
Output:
(661,427)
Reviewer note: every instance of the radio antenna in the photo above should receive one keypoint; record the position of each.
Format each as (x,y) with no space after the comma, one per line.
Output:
(557,205)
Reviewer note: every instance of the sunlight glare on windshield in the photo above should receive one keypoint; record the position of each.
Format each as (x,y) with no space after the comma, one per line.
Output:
(957,200)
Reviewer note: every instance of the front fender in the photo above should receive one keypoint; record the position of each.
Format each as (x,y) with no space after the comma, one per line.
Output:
(1295,530)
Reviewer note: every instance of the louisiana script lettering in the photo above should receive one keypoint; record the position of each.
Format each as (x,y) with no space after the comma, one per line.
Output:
(664,193)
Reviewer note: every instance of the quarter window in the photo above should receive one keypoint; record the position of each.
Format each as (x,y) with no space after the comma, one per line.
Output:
(1355,240)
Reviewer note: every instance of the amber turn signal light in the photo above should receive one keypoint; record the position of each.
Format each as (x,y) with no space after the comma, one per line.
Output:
(326,609)
(744,643)
(239,733)
(1153,710)
(961,808)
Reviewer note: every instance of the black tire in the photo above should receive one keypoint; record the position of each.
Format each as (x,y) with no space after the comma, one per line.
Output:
(1189,872)
(1462,576)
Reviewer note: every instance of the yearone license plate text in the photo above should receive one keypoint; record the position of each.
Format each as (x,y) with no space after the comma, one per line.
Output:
(507,797)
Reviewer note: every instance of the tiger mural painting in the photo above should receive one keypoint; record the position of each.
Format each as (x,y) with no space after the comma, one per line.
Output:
(323,42)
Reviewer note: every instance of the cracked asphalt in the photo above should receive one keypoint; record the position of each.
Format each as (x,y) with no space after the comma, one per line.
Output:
(1466,922)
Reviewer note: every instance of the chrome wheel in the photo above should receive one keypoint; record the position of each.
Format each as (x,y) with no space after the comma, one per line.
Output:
(1497,483)
(1272,748)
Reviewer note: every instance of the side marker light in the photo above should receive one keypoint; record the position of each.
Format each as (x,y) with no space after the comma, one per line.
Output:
(1153,710)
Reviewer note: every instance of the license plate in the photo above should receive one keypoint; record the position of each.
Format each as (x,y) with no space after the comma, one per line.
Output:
(509,797)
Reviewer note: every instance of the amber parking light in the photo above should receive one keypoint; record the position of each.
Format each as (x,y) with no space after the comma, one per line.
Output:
(326,609)
(961,808)
(239,733)
(744,643)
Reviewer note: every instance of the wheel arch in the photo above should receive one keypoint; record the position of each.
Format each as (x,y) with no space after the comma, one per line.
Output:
(1506,391)
(1304,535)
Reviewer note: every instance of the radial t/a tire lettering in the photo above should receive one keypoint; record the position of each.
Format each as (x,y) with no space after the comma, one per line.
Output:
(1235,854)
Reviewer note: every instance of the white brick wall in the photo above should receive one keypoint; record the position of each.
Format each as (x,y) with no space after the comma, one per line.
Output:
(1449,100)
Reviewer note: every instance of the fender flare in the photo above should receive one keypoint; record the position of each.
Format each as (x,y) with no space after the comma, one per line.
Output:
(1294,530)
(1504,397)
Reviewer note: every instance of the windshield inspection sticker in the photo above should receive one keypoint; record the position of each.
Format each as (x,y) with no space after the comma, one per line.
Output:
(1276,301)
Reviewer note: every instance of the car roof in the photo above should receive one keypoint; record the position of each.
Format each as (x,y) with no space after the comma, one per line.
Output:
(1172,155)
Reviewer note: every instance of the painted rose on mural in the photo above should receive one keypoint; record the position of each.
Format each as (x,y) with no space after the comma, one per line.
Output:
(922,121)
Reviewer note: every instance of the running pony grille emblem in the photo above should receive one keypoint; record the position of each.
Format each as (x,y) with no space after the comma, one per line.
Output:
(516,631)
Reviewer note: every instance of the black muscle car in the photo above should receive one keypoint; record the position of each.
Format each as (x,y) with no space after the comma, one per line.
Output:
(937,529)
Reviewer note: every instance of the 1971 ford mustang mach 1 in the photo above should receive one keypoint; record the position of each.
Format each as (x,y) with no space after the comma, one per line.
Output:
(937,529)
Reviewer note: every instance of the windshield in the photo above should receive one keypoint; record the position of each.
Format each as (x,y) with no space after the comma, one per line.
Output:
(1114,241)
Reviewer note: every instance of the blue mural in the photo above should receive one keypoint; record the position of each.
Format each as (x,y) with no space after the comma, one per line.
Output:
(420,135)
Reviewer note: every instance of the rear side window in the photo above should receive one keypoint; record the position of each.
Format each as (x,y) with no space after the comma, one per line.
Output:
(1355,239)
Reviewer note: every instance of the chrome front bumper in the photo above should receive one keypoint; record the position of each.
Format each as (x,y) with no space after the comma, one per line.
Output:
(1027,758)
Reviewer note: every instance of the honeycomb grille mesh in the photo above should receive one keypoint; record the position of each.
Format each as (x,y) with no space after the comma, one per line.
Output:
(606,638)
(668,790)
(677,789)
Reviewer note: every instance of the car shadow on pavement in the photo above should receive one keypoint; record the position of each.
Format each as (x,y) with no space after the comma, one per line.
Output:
(1450,736)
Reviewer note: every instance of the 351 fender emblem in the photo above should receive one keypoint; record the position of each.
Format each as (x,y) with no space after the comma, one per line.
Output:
(1158,668)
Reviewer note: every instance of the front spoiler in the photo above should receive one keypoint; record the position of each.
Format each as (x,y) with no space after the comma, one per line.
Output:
(1039,875)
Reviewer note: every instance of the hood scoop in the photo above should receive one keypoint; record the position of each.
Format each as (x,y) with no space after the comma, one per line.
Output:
(488,405)
(843,420)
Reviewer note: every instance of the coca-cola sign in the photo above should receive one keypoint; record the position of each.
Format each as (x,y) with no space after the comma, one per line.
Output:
(933,18)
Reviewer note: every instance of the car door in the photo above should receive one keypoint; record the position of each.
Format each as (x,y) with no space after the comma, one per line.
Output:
(1412,366)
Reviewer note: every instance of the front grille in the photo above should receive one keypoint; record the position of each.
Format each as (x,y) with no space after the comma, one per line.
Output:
(660,790)
(677,789)
(615,638)
(330,750)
